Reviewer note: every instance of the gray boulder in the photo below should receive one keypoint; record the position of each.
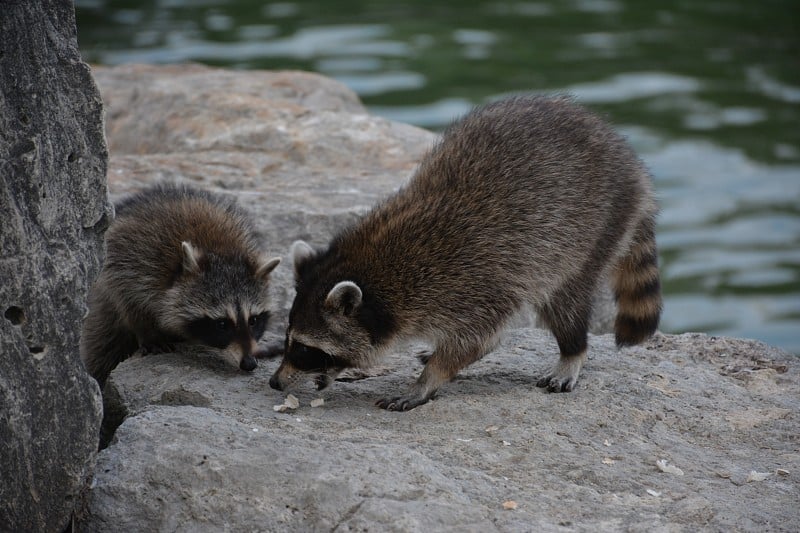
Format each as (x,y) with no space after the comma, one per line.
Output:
(671,435)
(54,211)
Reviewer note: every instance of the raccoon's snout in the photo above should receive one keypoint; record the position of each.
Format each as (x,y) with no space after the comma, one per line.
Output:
(275,383)
(248,363)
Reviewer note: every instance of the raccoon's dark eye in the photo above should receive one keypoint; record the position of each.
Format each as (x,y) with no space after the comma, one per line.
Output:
(258,323)
(260,318)
(224,324)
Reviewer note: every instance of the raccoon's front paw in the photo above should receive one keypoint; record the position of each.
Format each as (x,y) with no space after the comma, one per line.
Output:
(402,403)
(156,348)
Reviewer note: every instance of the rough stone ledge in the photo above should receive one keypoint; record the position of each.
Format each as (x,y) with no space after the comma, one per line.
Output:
(203,449)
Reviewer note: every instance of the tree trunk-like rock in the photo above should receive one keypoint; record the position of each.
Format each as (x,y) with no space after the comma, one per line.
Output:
(53,212)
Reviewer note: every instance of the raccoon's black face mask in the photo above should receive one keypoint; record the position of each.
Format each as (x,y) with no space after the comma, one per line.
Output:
(309,359)
(221,332)
(299,357)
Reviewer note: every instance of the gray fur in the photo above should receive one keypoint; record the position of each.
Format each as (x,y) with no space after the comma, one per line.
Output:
(527,201)
(175,255)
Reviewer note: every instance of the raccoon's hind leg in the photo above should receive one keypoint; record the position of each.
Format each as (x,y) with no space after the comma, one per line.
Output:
(440,367)
(105,341)
(637,287)
(567,316)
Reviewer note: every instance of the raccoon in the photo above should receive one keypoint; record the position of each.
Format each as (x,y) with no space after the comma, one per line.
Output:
(524,203)
(181,265)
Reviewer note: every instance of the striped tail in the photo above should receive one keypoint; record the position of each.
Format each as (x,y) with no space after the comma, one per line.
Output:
(637,288)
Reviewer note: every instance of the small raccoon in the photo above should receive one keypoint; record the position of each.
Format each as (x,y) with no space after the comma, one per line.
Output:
(525,202)
(181,265)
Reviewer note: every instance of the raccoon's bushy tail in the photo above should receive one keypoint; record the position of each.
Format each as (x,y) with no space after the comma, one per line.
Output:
(637,288)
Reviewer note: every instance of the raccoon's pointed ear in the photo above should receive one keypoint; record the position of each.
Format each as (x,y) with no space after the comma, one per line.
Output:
(191,256)
(345,297)
(300,252)
(267,266)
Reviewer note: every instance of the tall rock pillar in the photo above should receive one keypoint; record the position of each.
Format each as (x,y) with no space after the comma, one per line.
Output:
(53,212)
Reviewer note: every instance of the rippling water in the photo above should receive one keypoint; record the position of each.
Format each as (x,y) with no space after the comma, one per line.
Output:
(708,93)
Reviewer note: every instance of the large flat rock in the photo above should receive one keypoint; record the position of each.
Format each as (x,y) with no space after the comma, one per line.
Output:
(203,449)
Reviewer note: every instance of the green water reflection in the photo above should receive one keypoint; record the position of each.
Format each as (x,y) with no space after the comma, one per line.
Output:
(708,92)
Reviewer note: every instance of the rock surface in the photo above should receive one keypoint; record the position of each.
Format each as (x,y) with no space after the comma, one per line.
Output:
(202,448)
(53,211)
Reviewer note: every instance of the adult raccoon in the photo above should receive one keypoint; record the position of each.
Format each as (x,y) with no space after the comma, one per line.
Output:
(527,201)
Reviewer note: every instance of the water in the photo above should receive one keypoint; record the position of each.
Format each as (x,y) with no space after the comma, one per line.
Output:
(708,93)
